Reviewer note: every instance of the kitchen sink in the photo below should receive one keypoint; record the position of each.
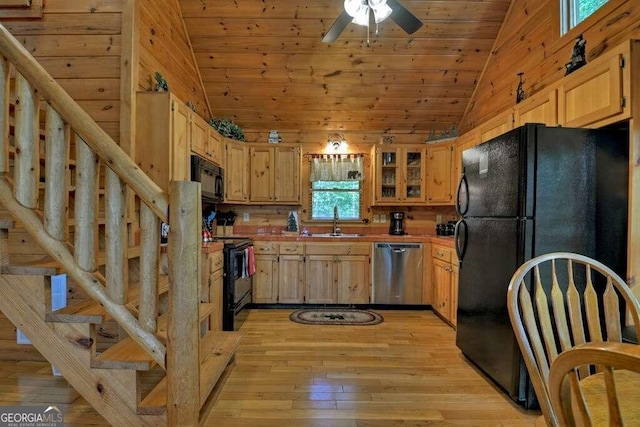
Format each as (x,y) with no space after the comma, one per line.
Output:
(336,235)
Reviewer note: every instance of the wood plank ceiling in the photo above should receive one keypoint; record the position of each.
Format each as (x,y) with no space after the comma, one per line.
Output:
(264,66)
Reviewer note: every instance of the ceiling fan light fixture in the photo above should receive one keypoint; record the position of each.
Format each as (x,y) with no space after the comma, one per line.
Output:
(362,18)
(355,8)
(381,10)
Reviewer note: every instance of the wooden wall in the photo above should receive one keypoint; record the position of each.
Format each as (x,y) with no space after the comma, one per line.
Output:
(164,46)
(528,42)
(79,43)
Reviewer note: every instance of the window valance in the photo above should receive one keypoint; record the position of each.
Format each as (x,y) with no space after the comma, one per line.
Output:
(337,167)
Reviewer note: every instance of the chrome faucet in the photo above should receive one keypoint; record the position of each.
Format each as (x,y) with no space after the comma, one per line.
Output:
(336,230)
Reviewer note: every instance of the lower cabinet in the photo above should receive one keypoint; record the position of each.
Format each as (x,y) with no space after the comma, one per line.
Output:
(211,289)
(445,283)
(338,273)
(312,273)
(265,279)
(291,273)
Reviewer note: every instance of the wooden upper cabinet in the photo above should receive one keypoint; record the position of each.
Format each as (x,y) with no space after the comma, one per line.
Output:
(236,176)
(496,126)
(539,108)
(439,176)
(163,135)
(261,170)
(274,174)
(594,93)
(399,175)
(216,147)
(287,174)
(199,129)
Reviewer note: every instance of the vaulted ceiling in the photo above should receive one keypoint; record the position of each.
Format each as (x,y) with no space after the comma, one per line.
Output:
(263,64)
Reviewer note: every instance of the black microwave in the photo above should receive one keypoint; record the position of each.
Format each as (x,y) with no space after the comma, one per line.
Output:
(210,177)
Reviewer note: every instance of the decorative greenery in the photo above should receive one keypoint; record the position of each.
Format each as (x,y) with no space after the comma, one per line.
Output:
(161,83)
(227,128)
(436,135)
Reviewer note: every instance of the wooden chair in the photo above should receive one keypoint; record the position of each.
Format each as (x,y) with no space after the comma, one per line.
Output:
(570,300)
(597,384)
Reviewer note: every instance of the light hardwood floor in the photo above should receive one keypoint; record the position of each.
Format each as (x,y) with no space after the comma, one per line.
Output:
(406,371)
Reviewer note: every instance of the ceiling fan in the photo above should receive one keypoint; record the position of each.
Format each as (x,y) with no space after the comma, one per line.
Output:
(357,11)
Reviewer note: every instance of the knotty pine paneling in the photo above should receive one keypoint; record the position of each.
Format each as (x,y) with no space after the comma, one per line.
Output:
(527,43)
(78,42)
(164,47)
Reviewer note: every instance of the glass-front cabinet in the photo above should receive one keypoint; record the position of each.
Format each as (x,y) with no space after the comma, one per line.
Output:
(399,175)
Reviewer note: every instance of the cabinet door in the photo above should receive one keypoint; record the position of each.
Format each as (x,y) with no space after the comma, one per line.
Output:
(216,299)
(216,147)
(496,127)
(291,279)
(353,279)
(441,288)
(287,174)
(261,166)
(236,173)
(439,185)
(321,282)
(387,176)
(591,94)
(454,294)
(540,108)
(180,142)
(413,173)
(199,134)
(265,288)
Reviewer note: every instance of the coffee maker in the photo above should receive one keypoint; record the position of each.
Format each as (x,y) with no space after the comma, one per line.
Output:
(396,227)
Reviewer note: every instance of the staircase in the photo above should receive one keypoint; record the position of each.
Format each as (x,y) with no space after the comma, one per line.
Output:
(64,181)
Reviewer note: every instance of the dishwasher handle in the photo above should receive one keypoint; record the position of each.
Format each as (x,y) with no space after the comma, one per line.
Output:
(398,247)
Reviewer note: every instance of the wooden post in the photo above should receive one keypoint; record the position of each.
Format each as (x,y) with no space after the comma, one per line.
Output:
(116,268)
(150,242)
(85,206)
(183,361)
(56,195)
(5,75)
(27,140)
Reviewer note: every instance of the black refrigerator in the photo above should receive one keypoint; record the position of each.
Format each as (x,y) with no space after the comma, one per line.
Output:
(532,191)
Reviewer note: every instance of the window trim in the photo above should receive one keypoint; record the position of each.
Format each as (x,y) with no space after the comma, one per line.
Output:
(562,41)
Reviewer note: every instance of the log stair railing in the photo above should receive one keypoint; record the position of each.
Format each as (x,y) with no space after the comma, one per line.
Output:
(54,162)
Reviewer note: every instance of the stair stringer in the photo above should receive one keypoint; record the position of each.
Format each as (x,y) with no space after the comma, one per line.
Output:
(112,392)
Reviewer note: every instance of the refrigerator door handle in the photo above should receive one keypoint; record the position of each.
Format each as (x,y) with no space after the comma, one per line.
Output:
(463,181)
(461,249)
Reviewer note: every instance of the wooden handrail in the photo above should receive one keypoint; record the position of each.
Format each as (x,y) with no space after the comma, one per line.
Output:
(82,123)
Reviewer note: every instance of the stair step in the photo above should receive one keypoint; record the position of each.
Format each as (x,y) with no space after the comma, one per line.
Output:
(216,351)
(127,354)
(90,311)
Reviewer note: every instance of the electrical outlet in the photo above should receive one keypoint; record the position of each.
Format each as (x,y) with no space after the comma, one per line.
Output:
(383,218)
(376,218)
(245,217)
(438,219)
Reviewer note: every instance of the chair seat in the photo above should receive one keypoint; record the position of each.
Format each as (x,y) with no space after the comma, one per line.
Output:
(627,389)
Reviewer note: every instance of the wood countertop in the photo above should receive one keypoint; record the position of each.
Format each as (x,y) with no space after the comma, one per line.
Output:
(367,238)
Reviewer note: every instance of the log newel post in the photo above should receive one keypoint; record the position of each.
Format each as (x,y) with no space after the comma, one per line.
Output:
(183,364)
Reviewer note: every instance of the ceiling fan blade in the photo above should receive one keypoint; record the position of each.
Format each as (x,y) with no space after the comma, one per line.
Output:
(405,19)
(337,28)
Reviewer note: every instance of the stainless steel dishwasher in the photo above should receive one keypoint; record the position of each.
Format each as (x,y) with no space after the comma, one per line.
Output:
(397,273)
